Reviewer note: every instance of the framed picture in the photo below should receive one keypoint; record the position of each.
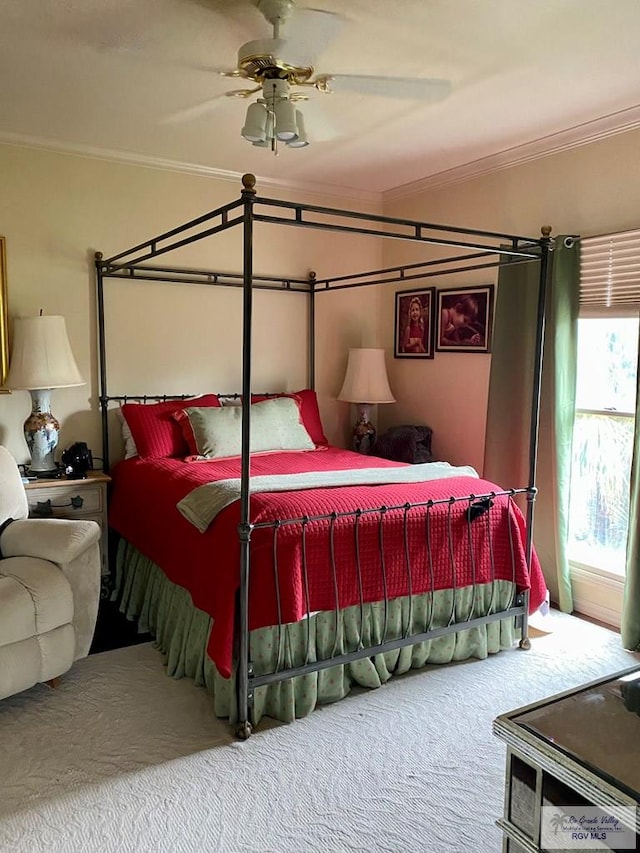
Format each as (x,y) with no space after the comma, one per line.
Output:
(415,323)
(4,319)
(464,319)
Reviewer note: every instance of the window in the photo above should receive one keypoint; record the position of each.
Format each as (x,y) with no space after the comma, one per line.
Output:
(603,441)
(604,425)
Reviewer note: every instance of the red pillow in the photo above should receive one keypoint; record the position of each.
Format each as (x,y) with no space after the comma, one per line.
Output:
(182,419)
(155,432)
(309,412)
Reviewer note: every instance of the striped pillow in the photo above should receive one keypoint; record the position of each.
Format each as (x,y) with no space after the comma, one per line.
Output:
(154,429)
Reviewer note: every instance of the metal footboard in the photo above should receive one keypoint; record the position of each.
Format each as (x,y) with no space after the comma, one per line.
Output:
(422,574)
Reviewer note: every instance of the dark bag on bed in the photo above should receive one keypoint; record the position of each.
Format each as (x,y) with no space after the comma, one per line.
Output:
(404,444)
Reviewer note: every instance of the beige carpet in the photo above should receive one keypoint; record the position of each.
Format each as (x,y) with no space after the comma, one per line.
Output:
(122,758)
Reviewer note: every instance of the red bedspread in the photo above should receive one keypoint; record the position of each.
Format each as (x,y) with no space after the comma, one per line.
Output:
(143,510)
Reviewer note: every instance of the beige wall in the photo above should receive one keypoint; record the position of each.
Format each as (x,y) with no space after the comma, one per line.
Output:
(56,210)
(587,190)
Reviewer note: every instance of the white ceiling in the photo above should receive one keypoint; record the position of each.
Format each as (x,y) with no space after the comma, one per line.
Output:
(115,77)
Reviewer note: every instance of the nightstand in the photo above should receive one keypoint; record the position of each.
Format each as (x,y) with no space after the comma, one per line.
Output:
(74,499)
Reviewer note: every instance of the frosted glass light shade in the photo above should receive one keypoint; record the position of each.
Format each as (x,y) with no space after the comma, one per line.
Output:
(255,124)
(41,355)
(286,127)
(302,140)
(268,133)
(366,378)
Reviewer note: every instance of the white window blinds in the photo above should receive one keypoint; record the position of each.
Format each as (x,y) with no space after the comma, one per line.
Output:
(610,271)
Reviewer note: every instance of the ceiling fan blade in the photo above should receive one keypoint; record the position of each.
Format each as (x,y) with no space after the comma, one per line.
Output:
(425,89)
(196,111)
(310,31)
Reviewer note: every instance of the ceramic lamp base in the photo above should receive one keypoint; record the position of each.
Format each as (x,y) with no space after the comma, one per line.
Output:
(41,432)
(364,432)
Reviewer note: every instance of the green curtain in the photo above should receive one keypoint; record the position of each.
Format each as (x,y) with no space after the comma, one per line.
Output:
(506,459)
(630,627)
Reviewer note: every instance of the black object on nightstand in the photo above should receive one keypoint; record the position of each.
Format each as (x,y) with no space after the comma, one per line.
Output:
(77,460)
(406,443)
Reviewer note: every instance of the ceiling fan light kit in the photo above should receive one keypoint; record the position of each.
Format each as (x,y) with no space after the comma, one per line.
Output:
(274,118)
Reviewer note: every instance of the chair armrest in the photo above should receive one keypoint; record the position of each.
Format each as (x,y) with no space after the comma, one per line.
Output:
(55,539)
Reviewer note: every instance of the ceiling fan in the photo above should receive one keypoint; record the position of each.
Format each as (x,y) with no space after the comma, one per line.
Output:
(282,69)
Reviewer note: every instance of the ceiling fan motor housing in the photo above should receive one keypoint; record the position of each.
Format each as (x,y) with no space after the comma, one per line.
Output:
(264,58)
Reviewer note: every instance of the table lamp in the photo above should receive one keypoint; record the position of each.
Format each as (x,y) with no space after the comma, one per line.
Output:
(41,360)
(365,383)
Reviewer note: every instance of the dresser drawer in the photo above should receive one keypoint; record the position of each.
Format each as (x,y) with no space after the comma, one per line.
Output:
(66,501)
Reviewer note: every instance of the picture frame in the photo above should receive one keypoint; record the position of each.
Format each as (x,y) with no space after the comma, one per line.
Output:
(414,323)
(465,319)
(4,319)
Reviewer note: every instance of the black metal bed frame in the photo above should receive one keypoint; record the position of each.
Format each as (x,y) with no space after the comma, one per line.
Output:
(480,250)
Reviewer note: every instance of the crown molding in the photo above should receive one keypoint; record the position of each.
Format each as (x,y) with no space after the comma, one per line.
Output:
(129,158)
(581,134)
(565,140)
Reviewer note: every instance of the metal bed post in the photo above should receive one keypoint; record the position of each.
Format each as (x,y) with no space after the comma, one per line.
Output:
(312,330)
(546,244)
(244,694)
(102,362)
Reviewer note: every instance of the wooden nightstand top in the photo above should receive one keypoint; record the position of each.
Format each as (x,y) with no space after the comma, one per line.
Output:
(91,478)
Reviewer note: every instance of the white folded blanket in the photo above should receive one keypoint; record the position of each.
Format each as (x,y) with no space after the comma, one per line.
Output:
(203,504)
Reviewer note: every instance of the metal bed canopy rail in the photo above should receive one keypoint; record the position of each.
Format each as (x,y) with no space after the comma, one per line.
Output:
(179,275)
(484,249)
(482,244)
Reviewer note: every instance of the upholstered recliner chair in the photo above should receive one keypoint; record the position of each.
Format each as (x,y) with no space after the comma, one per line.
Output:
(49,588)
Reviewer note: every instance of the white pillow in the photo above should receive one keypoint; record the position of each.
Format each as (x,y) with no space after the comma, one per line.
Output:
(217,432)
(130,448)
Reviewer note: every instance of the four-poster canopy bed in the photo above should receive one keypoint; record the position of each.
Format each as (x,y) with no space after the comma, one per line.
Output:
(301,572)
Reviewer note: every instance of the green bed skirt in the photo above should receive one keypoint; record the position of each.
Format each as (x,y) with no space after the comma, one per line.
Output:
(181,633)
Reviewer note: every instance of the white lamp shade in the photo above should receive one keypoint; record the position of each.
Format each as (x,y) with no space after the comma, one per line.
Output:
(41,355)
(255,124)
(286,127)
(366,378)
(302,140)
